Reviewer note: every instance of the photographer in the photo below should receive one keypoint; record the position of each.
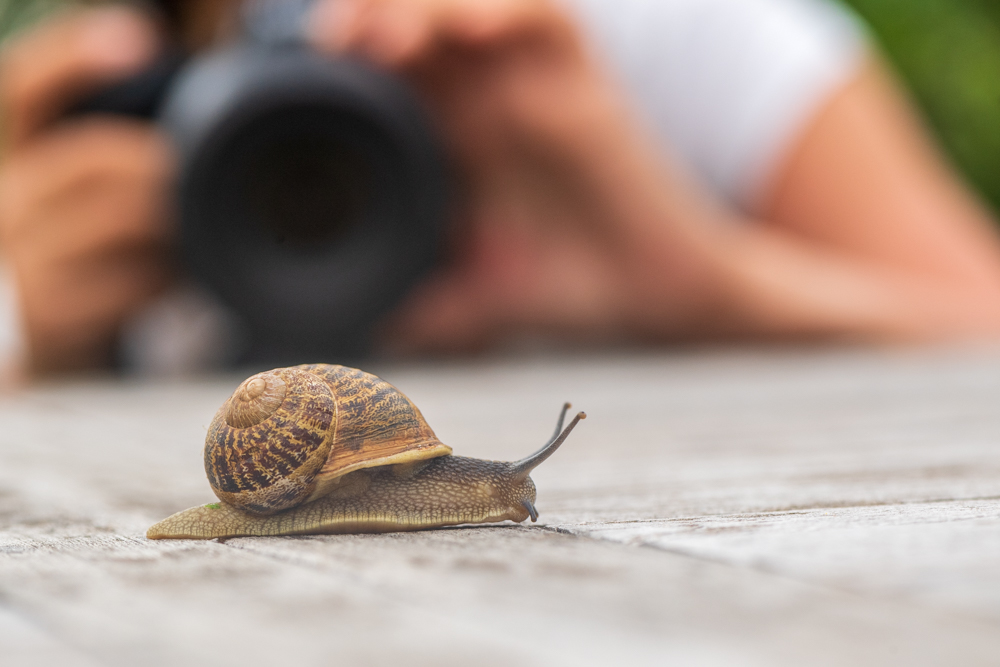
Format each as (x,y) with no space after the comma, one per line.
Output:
(829,214)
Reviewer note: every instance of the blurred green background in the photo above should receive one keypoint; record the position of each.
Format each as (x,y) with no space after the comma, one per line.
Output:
(15,14)
(947,51)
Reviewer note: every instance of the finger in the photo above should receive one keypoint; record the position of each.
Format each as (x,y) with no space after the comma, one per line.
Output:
(444,314)
(87,185)
(332,24)
(513,282)
(494,21)
(388,33)
(398,32)
(72,314)
(469,304)
(43,71)
(96,294)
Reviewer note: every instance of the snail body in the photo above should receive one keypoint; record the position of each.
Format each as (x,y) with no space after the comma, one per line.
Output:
(322,449)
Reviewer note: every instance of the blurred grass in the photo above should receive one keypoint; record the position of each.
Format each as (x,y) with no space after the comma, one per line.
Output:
(947,51)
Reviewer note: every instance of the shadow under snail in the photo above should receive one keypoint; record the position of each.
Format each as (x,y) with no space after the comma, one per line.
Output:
(320,449)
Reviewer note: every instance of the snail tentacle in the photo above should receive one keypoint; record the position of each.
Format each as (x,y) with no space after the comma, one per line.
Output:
(559,423)
(521,469)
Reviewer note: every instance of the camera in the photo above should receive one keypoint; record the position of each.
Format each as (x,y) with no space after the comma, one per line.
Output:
(312,192)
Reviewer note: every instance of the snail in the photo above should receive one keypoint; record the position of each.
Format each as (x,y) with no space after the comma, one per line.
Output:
(320,449)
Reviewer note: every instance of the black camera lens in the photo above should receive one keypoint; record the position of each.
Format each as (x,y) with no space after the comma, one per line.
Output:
(312,195)
(306,190)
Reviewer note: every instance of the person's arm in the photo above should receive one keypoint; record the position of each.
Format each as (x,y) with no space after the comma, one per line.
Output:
(574,225)
(865,179)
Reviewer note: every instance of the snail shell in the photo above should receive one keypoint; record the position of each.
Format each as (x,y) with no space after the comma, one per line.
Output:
(289,435)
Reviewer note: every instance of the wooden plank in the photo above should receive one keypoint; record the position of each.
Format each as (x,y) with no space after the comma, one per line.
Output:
(943,555)
(802,508)
(25,644)
(452,597)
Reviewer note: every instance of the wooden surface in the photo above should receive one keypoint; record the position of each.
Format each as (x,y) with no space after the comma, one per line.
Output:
(821,508)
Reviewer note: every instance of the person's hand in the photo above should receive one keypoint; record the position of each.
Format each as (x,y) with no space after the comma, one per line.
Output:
(550,160)
(82,202)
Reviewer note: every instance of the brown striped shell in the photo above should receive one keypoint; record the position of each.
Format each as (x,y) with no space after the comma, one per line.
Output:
(288,435)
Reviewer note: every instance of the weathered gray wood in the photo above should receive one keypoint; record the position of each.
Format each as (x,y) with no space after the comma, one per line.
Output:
(23,643)
(945,555)
(744,508)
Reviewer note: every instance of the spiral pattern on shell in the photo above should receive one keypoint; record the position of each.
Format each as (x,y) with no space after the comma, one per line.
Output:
(269,440)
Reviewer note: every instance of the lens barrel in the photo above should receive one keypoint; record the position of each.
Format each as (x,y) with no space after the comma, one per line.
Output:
(312,195)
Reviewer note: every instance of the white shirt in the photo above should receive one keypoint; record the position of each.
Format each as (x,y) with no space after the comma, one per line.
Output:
(727,84)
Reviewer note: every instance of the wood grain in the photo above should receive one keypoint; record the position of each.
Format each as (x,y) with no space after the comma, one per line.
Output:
(745,508)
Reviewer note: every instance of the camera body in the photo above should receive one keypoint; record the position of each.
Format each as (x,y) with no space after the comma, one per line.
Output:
(311,194)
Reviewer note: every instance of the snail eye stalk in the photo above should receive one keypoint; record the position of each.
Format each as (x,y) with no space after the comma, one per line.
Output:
(559,424)
(521,469)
